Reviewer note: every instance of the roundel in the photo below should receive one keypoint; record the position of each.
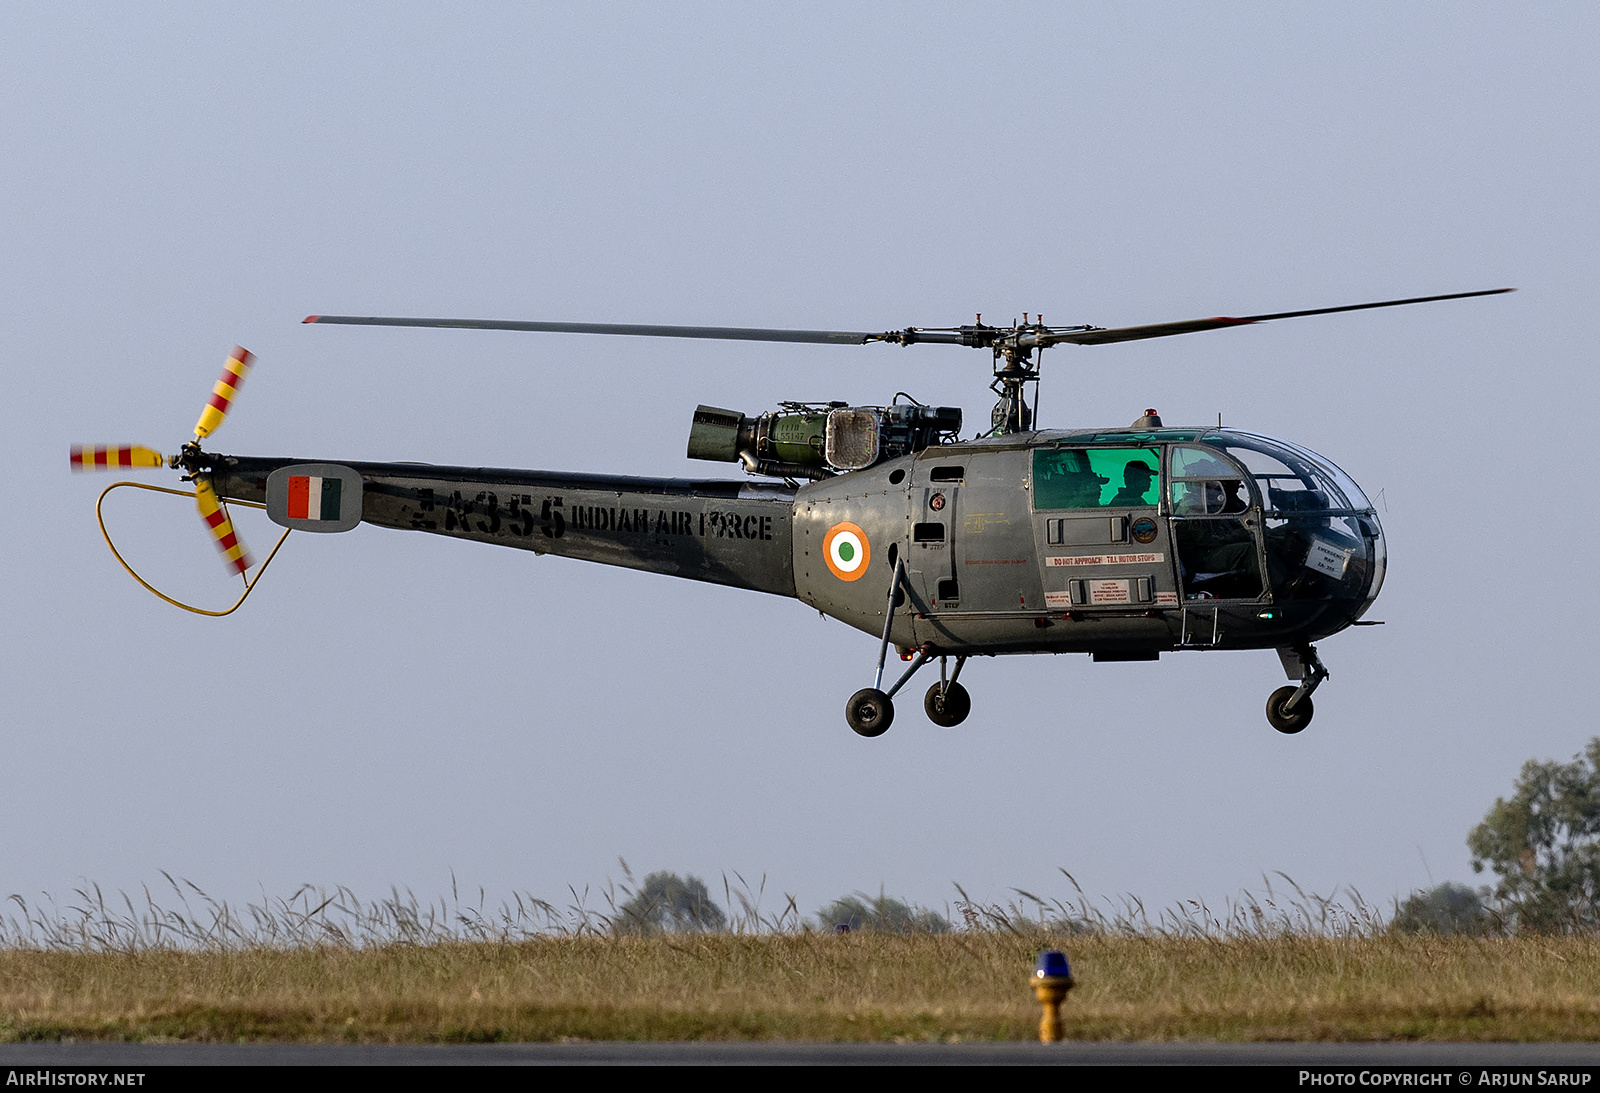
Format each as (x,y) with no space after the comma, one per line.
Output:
(847,551)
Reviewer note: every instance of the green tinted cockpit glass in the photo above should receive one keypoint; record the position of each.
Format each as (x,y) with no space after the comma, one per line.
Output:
(1200,463)
(1088,478)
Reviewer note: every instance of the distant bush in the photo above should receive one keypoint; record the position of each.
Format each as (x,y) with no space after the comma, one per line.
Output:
(1449,910)
(668,903)
(883,914)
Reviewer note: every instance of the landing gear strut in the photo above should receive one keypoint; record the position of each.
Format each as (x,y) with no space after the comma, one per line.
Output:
(1289,709)
(870,710)
(947,703)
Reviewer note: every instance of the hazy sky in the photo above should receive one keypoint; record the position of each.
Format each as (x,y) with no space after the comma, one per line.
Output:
(391,707)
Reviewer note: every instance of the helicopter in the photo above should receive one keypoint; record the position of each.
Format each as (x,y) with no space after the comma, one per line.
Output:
(1122,543)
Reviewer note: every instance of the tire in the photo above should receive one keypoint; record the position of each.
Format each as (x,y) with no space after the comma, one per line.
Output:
(1288,722)
(869,712)
(949,709)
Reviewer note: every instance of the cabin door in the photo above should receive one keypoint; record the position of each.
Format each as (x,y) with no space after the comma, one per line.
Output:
(1101,542)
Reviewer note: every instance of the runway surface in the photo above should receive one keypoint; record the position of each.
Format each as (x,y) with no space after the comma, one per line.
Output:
(1339,1055)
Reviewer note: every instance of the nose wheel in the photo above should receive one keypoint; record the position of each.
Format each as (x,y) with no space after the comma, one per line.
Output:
(1289,709)
(1285,720)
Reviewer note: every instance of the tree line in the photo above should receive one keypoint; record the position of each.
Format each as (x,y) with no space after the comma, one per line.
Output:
(1542,844)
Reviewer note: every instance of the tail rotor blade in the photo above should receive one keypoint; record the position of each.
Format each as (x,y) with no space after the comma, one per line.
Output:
(101,457)
(224,392)
(234,554)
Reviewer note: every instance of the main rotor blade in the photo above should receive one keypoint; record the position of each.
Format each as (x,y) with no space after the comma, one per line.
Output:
(1163,330)
(722,333)
(976,336)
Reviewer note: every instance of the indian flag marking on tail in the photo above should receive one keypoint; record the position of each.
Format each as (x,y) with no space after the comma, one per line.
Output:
(312,497)
(847,551)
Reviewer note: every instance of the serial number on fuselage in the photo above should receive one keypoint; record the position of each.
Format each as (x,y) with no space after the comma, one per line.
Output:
(518,515)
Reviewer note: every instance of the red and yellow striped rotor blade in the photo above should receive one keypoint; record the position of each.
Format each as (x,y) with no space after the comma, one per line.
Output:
(224,392)
(101,457)
(234,554)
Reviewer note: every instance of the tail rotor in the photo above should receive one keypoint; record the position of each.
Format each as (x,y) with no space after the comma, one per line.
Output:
(213,510)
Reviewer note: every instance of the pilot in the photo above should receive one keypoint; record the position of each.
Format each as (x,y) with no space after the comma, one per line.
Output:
(1136,479)
(1223,497)
(1219,556)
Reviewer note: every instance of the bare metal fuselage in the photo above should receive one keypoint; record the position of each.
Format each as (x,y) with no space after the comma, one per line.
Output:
(992,557)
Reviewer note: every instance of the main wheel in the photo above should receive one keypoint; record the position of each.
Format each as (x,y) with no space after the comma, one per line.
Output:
(1291,721)
(950,708)
(869,712)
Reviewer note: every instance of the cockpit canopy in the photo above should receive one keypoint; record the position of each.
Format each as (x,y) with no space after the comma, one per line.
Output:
(1318,534)
(1289,478)
(1279,476)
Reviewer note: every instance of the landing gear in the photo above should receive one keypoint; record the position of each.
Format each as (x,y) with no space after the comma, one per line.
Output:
(1289,709)
(1284,720)
(869,712)
(947,705)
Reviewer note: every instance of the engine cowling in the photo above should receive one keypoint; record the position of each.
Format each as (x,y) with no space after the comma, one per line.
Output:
(817,440)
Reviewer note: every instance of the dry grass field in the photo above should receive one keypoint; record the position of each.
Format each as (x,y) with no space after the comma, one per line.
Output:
(394,973)
(863,986)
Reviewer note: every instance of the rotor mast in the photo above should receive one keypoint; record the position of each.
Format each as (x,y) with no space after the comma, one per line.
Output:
(1015,364)
(1012,414)
(1014,368)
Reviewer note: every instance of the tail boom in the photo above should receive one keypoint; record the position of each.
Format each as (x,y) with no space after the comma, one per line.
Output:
(722,532)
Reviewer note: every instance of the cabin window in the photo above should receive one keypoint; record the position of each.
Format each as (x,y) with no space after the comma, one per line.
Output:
(1209,496)
(1200,463)
(1204,483)
(1089,478)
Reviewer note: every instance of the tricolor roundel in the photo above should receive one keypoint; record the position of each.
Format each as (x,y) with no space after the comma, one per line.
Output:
(315,497)
(847,551)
